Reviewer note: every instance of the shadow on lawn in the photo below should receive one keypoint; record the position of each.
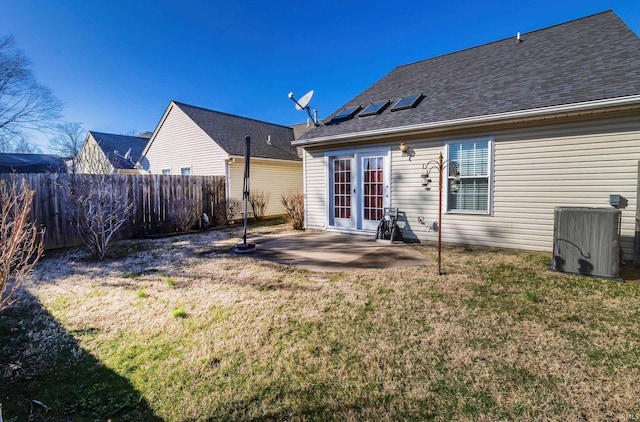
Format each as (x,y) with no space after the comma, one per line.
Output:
(46,376)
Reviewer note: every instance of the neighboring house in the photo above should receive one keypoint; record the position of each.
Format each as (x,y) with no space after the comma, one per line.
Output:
(106,153)
(301,128)
(195,141)
(535,121)
(32,163)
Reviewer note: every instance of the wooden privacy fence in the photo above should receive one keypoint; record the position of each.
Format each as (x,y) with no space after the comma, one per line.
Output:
(151,196)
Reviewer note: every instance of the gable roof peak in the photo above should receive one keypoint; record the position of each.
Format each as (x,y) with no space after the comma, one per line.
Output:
(222,113)
(114,145)
(269,140)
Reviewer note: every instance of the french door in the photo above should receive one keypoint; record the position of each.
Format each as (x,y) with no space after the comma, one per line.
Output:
(374,191)
(343,188)
(359,189)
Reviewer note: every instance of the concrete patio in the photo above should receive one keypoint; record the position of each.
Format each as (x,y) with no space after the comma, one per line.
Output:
(333,252)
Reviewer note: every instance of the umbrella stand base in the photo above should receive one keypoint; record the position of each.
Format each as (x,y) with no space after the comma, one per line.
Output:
(245,247)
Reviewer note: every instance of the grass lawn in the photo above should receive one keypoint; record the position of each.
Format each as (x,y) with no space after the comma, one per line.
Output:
(177,329)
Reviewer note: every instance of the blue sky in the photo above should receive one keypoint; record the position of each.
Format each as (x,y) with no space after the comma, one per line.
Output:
(116,64)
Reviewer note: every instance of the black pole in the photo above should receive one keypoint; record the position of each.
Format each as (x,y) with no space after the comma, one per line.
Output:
(245,187)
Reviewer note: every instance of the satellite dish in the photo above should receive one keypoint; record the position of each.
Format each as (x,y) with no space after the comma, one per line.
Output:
(303,102)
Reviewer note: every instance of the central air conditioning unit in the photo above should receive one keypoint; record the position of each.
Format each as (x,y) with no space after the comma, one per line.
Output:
(586,241)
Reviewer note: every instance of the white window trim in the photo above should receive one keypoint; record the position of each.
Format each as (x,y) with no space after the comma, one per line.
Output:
(186,167)
(166,168)
(491,146)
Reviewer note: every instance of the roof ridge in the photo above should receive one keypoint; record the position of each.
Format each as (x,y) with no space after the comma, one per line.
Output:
(508,38)
(115,134)
(179,103)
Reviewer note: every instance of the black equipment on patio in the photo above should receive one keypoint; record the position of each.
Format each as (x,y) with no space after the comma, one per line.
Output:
(388,228)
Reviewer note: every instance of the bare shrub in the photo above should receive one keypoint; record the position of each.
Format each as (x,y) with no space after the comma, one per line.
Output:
(293,203)
(259,201)
(21,242)
(233,207)
(227,211)
(100,205)
(184,214)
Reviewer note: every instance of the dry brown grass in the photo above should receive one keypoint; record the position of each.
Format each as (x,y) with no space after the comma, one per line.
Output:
(497,338)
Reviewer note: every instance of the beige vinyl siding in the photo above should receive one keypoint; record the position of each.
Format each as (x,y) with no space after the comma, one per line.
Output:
(316,189)
(178,143)
(534,169)
(578,165)
(92,159)
(407,192)
(273,176)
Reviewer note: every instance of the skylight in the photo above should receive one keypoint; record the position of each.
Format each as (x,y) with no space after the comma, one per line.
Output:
(409,101)
(375,108)
(346,113)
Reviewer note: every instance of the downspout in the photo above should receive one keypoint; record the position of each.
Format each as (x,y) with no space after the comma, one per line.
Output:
(227,178)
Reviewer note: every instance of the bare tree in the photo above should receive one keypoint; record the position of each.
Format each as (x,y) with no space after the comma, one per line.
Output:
(23,146)
(21,242)
(68,139)
(100,205)
(24,103)
(7,142)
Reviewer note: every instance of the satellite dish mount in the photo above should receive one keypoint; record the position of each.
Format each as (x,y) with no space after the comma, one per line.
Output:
(303,104)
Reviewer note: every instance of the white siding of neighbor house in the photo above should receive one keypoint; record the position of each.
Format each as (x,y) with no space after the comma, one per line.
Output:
(92,159)
(274,176)
(179,143)
(535,170)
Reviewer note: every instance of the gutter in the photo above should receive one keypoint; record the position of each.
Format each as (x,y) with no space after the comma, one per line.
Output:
(268,160)
(565,110)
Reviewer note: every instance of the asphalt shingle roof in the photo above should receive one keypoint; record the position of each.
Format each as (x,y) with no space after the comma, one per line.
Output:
(109,143)
(31,163)
(228,131)
(592,58)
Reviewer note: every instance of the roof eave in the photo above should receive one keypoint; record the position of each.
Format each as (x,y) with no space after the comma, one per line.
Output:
(280,160)
(529,115)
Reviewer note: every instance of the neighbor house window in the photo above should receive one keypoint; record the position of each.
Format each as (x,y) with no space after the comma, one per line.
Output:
(469,178)
(185,171)
(166,172)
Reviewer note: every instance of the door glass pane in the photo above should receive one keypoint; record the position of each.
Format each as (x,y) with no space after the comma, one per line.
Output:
(342,188)
(373,179)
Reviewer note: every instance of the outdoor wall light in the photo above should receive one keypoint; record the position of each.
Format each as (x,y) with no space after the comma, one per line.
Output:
(404,148)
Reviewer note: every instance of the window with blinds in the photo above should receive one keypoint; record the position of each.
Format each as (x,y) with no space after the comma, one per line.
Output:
(468,187)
